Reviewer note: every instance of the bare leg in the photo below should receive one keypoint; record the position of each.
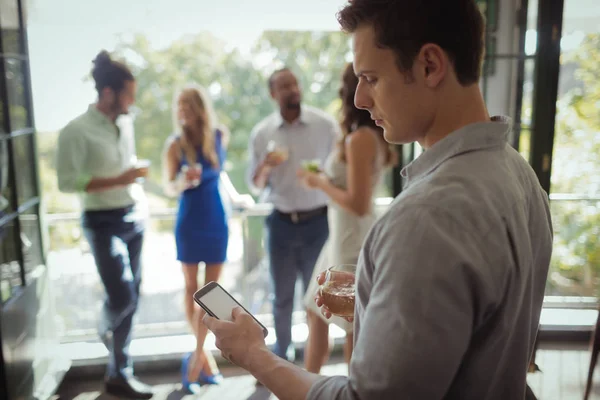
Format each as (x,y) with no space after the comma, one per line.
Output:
(317,345)
(190,274)
(206,362)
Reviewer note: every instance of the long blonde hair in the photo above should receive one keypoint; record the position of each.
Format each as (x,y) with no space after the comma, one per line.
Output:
(205,123)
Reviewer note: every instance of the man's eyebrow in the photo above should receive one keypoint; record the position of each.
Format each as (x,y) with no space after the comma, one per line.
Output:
(364,72)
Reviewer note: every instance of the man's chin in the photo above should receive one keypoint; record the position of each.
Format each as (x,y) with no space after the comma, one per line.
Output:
(396,137)
(391,136)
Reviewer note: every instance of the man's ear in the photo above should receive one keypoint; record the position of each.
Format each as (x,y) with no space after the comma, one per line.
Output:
(433,64)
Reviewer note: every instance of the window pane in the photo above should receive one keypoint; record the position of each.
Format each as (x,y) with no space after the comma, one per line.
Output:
(10,270)
(575,180)
(31,242)
(9,21)
(499,85)
(525,142)
(15,85)
(24,157)
(576,165)
(527,105)
(575,267)
(6,205)
(531,35)
(2,116)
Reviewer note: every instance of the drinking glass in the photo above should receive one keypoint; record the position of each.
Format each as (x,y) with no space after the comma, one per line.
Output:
(338,290)
(142,163)
(280,151)
(196,182)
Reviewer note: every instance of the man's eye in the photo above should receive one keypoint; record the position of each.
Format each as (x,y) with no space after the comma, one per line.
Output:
(370,80)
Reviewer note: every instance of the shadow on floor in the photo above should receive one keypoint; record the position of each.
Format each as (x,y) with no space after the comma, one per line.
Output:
(237,387)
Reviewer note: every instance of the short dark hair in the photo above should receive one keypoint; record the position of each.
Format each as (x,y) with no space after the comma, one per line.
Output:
(110,73)
(271,80)
(404,26)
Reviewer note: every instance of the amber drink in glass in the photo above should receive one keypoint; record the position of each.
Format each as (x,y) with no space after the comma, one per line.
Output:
(337,291)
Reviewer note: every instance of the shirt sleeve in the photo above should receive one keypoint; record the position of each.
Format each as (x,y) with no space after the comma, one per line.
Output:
(70,162)
(254,156)
(416,327)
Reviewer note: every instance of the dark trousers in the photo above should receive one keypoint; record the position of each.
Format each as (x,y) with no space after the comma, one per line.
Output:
(293,250)
(115,239)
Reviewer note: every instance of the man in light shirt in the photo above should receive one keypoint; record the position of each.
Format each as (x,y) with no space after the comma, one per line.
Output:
(297,228)
(450,281)
(96,160)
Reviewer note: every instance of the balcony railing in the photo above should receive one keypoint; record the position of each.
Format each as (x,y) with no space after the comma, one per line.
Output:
(80,293)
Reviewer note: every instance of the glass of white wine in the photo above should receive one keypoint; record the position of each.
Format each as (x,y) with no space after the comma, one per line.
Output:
(279,151)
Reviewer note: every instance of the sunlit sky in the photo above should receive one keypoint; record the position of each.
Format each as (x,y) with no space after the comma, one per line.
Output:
(65,35)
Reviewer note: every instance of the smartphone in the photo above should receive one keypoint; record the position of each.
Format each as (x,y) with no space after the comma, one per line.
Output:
(218,303)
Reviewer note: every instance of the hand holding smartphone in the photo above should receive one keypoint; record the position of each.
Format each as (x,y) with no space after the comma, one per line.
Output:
(218,303)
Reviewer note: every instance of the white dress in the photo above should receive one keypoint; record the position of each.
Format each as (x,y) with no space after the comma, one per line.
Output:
(346,231)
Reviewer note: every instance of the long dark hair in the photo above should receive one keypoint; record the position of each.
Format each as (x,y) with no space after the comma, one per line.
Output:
(353,118)
(110,73)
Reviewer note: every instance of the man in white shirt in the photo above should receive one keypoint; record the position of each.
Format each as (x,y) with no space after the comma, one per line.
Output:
(297,228)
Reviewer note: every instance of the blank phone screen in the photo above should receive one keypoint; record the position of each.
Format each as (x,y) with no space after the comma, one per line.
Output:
(219,303)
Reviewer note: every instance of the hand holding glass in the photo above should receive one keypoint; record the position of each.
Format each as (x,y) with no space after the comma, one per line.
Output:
(277,153)
(192,176)
(312,165)
(337,291)
(143,165)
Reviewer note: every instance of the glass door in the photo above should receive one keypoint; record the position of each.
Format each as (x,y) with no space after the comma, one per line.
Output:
(575,176)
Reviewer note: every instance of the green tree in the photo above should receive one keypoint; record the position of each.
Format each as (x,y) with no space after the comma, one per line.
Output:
(236,83)
(576,169)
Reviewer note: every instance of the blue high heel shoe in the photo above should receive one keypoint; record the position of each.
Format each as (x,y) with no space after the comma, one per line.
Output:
(213,379)
(188,387)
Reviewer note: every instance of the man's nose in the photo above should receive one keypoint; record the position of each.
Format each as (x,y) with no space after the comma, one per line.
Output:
(362,98)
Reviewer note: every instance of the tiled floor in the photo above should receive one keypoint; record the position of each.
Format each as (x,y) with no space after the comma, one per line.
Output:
(564,370)
(563,373)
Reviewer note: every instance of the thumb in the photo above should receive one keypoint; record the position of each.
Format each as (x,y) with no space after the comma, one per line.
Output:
(209,321)
(237,312)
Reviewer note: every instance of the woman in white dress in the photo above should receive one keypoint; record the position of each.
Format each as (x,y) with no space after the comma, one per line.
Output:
(350,178)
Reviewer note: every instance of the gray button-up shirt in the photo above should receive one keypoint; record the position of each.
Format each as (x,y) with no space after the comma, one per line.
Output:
(312,136)
(451,280)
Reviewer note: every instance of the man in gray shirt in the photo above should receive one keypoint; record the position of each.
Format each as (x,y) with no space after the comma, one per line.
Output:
(451,279)
(297,228)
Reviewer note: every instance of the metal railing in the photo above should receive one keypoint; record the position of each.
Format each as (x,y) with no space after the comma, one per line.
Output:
(245,275)
(79,291)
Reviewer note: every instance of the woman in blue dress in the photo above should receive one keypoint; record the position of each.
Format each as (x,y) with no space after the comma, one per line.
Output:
(193,168)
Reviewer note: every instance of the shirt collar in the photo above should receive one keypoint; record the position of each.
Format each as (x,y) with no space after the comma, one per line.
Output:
(303,119)
(473,137)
